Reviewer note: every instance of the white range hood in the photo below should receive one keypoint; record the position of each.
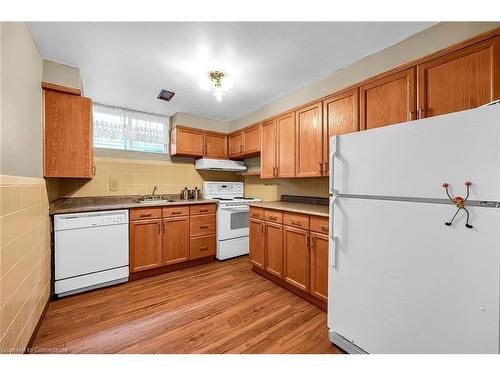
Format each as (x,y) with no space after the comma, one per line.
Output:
(220,165)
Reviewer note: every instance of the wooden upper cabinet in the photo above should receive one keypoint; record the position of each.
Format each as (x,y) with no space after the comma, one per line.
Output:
(296,257)
(67,135)
(388,100)
(285,125)
(175,244)
(245,142)
(319,266)
(268,153)
(309,141)
(273,245)
(462,80)
(215,145)
(251,140)
(256,243)
(340,116)
(235,144)
(187,142)
(145,244)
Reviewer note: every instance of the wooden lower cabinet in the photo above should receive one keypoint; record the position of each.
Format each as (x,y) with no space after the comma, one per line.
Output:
(273,247)
(145,244)
(201,247)
(256,243)
(175,240)
(319,265)
(297,257)
(170,238)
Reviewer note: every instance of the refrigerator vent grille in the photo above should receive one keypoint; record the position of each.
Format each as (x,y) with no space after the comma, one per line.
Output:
(345,344)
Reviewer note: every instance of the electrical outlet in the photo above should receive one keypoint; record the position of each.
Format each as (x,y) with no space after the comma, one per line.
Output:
(113,184)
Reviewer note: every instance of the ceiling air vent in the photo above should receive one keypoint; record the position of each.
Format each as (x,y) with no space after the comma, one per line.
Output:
(166,95)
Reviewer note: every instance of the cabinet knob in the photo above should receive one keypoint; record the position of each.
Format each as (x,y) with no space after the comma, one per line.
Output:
(203,226)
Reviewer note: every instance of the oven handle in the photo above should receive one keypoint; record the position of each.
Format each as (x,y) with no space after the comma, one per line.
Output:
(236,209)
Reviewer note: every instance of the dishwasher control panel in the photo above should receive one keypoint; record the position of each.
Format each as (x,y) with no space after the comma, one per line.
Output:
(90,219)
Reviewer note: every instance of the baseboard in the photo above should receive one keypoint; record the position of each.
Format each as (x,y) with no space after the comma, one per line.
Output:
(309,298)
(169,268)
(37,327)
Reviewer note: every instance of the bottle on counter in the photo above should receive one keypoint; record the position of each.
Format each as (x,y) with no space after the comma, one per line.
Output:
(185,193)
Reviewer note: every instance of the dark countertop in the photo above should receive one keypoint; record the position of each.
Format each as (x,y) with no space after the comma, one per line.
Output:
(87,204)
(301,208)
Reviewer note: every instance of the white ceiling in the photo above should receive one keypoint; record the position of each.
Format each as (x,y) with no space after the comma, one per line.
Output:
(127,64)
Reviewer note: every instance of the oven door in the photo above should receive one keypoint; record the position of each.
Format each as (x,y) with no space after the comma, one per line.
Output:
(232,222)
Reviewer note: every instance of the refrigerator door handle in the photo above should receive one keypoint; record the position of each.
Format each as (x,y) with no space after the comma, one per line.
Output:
(333,153)
(333,238)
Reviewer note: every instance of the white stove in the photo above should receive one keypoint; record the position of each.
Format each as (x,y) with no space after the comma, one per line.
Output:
(232,217)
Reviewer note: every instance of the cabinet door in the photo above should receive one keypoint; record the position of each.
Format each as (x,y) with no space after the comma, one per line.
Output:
(251,140)
(461,80)
(309,141)
(286,145)
(145,244)
(319,266)
(215,145)
(235,144)
(389,100)
(341,116)
(296,257)
(175,240)
(268,153)
(257,243)
(274,249)
(187,142)
(67,135)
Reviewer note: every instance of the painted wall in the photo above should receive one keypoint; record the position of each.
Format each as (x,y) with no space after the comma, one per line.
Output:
(61,74)
(24,220)
(21,102)
(198,122)
(428,41)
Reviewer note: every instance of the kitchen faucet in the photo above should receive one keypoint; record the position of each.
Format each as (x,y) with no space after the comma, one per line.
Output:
(154,190)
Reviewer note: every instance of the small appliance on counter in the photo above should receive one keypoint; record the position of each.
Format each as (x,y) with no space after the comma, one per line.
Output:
(233,217)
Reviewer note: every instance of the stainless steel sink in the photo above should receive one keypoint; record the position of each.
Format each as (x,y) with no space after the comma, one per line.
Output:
(154,199)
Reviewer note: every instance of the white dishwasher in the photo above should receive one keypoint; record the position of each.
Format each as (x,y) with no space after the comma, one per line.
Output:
(91,251)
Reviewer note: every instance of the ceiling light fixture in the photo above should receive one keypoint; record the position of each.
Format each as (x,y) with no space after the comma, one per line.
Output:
(217,81)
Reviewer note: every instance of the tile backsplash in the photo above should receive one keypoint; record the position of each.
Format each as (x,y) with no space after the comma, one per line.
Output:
(132,177)
(272,190)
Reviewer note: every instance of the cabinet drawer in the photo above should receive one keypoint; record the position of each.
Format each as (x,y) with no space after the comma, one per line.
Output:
(202,247)
(145,213)
(175,211)
(319,224)
(296,220)
(202,225)
(257,213)
(202,209)
(274,216)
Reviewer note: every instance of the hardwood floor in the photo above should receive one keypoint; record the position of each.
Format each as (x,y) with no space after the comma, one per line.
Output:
(221,307)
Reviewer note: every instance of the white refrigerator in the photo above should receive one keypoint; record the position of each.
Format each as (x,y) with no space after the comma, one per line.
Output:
(400,280)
